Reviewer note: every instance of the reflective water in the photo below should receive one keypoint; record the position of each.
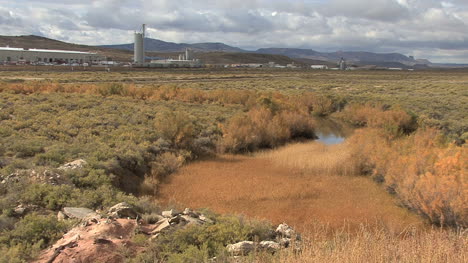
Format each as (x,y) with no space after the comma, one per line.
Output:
(331,132)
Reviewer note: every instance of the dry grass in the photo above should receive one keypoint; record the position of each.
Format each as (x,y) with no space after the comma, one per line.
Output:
(282,192)
(378,245)
(315,158)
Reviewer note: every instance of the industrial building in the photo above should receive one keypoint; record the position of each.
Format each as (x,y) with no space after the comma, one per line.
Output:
(185,60)
(319,67)
(24,55)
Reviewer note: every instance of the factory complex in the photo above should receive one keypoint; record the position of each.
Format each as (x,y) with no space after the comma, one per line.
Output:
(9,55)
(186,60)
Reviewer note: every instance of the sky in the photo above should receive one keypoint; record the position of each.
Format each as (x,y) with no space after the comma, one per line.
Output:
(431,29)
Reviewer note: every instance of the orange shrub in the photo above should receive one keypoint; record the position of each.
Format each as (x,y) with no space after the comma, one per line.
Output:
(392,123)
(316,104)
(262,127)
(428,176)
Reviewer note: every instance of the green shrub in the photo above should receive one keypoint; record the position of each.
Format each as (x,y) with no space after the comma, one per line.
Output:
(27,148)
(6,222)
(35,229)
(206,241)
(177,127)
(111,89)
(89,178)
(49,196)
(192,254)
(51,158)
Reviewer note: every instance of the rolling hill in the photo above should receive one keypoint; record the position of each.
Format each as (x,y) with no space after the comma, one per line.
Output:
(360,58)
(32,41)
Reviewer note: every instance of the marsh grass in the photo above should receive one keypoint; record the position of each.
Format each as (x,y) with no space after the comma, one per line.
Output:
(315,158)
(379,245)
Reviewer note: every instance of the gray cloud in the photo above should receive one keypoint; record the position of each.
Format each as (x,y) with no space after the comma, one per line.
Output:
(430,28)
(380,10)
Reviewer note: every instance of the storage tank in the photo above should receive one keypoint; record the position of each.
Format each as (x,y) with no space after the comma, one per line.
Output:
(139,48)
(188,54)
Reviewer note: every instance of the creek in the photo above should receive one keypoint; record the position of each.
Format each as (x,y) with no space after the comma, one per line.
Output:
(331,132)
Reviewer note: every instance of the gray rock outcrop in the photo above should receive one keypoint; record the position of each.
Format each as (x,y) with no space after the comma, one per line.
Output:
(77,164)
(79,212)
(123,210)
(241,248)
(269,246)
(170,213)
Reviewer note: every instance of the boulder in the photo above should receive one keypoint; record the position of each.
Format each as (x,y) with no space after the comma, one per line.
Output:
(163,224)
(241,249)
(79,212)
(170,214)
(123,210)
(269,246)
(77,164)
(284,230)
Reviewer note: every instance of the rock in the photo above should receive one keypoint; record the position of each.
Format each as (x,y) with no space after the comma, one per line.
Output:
(241,249)
(284,242)
(206,219)
(79,212)
(77,164)
(20,210)
(176,220)
(190,212)
(163,224)
(101,241)
(61,216)
(188,220)
(170,214)
(269,246)
(123,210)
(284,230)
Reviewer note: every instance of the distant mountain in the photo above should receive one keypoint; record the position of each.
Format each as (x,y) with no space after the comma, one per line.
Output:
(163,46)
(361,58)
(124,52)
(358,58)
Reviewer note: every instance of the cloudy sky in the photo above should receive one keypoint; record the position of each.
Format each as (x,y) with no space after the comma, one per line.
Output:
(433,29)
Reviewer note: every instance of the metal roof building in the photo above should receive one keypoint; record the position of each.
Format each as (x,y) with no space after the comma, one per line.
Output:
(9,54)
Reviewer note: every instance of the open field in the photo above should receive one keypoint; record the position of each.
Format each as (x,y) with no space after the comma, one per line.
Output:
(227,140)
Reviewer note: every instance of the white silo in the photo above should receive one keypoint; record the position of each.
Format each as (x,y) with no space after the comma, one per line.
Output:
(139,47)
(188,54)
